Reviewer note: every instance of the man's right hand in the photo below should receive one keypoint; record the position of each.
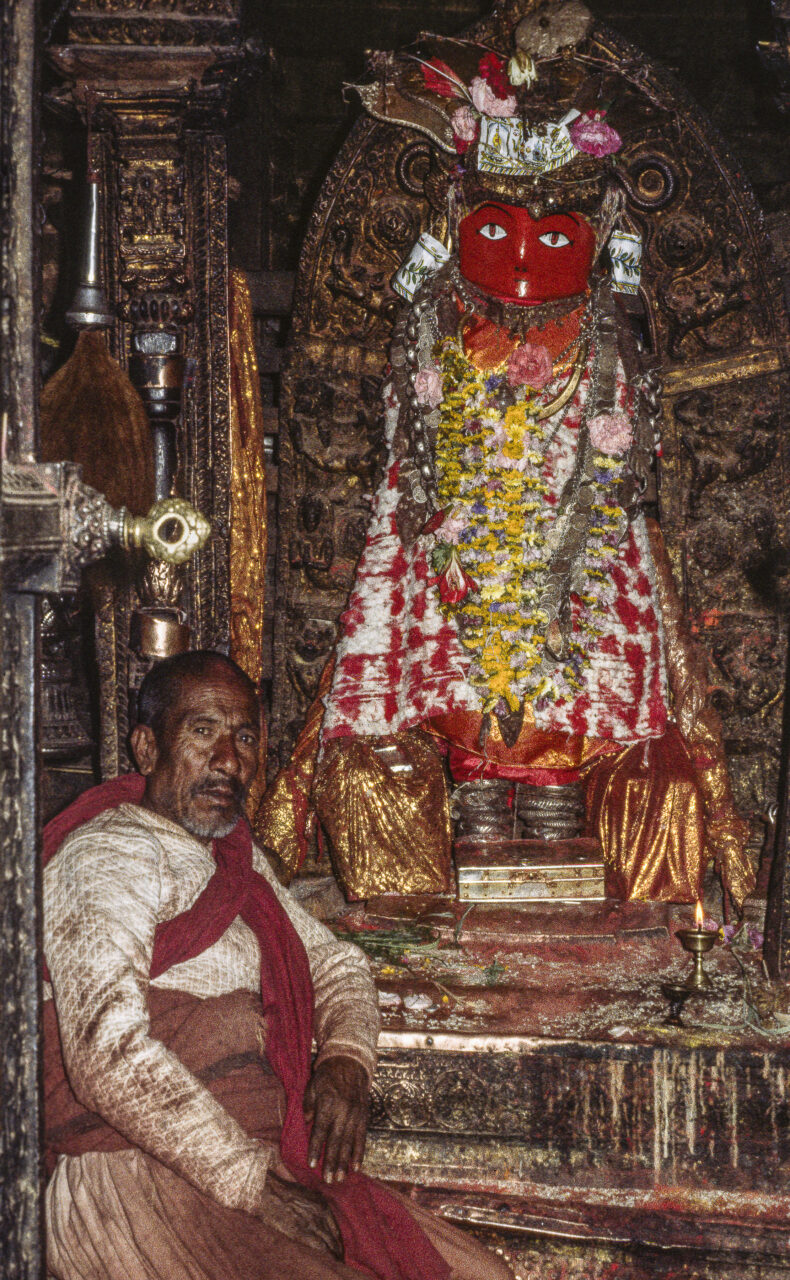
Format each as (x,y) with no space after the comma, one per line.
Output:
(302,1214)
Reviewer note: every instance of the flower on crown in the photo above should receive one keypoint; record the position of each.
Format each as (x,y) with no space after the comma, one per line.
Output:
(492,70)
(488,102)
(590,133)
(489,94)
(521,69)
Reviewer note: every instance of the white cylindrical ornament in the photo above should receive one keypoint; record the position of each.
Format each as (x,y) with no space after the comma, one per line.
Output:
(426,257)
(625,254)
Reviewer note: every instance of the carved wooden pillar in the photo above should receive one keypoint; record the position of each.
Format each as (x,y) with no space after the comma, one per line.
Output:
(21,1217)
(157,85)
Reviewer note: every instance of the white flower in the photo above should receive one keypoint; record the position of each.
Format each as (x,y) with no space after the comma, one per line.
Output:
(521,69)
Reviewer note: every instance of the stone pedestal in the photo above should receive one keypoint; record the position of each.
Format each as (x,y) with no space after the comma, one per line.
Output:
(529,1084)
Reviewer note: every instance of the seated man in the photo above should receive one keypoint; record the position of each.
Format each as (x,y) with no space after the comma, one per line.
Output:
(188,1136)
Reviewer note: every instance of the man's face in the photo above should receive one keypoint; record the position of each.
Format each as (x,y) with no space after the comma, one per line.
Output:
(512,256)
(199,771)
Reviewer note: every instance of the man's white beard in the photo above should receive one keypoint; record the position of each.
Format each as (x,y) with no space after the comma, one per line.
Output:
(209,830)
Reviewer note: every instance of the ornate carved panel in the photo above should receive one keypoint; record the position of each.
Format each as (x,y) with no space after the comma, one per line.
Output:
(717,324)
(210,22)
(151,215)
(581,1114)
(206,439)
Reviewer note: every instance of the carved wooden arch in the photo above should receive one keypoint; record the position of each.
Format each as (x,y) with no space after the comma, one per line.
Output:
(719,327)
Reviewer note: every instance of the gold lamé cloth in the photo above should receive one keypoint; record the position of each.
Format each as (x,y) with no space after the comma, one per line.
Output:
(388,832)
(698,724)
(285,820)
(646,809)
(247,499)
(386,825)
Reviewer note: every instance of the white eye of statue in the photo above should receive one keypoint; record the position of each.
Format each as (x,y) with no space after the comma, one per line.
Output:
(554,239)
(493,231)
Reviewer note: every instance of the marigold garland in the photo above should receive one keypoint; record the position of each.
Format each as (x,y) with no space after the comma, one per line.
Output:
(490,454)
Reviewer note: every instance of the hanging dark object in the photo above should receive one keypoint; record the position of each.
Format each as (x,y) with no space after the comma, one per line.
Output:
(91,413)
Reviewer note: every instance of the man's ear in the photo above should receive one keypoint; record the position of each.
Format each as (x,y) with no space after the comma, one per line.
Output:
(142,740)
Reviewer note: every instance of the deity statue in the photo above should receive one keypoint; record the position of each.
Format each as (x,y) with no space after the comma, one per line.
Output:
(514,617)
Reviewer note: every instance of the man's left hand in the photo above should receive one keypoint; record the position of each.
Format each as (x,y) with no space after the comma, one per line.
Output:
(336,1100)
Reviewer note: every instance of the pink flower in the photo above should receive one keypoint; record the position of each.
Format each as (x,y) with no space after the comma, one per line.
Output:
(465,128)
(455,583)
(530,365)
(611,432)
(487,102)
(592,134)
(492,69)
(428,387)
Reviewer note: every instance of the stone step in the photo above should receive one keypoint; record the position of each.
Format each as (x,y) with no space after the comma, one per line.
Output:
(530,1085)
(642,1237)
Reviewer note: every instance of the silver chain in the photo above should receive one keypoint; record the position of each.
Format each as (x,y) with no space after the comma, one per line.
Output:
(650,388)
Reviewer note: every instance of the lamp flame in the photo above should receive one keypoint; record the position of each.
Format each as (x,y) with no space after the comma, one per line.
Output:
(698,915)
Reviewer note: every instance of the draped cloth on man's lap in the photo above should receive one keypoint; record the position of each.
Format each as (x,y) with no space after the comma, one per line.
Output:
(379,1235)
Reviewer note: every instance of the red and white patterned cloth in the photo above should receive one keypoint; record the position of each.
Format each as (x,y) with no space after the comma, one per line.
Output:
(399,659)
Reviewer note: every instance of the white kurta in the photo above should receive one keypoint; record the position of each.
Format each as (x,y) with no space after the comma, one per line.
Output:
(105,891)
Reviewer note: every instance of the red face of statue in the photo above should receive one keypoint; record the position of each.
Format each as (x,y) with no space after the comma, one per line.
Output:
(512,256)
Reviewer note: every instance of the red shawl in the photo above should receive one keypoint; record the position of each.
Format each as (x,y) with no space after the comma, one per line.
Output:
(379,1235)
